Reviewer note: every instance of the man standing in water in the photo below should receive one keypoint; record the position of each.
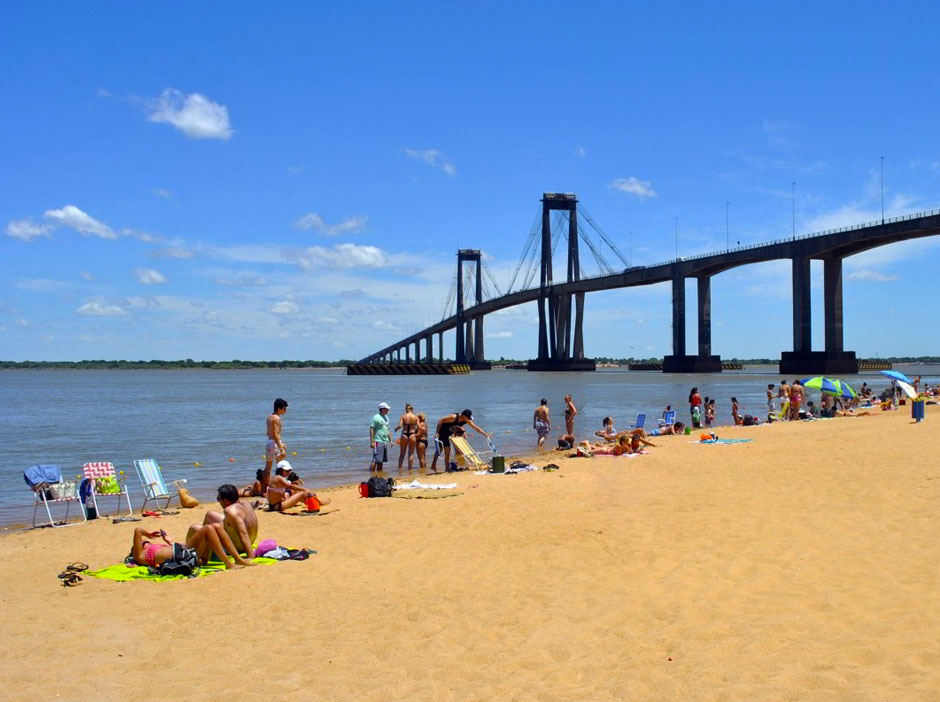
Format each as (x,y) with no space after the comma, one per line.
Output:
(274,449)
(378,438)
(541,422)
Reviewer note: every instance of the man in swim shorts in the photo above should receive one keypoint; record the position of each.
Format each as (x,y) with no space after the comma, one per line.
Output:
(237,518)
(378,438)
(541,423)
(274,449)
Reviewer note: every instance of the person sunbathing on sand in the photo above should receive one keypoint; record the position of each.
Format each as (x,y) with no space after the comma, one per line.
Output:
(257,488)
(284,494)
(638,436)
(608,431)
(207,540)
(668,429)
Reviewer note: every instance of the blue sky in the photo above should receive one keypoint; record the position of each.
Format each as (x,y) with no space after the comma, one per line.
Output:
(221,181)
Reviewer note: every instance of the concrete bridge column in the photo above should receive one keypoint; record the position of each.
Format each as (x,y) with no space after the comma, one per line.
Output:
(802,307)
(440,345)
(479,357)
(678,316)
(680,361)
(704,316)
(803,361)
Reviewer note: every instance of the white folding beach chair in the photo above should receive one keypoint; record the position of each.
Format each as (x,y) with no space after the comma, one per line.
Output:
(99,470)
(52,490)
(151,480)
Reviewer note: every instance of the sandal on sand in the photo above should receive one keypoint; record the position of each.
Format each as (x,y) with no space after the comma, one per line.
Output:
(77,566)
(70,578)
(151,513)
(121,520)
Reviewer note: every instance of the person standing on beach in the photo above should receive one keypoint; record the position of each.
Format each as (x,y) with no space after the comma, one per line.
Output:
(408,424)
(771,408)
(783,392)
(541,423)
(570,412)
(445,426)
(796,399)
(695,408)
(274,449)
(378,438)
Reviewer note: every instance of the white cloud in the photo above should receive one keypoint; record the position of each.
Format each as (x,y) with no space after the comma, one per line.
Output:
(171,252)
(243,279)
(138,301)
(580,152)
(633,186)
(285,307)
(86,276)
(162,192)
(500,335)
(42,284)
(96,309)
(315,222)
(195,115)
(73,218)
(382,325)
(871,276)
(142,236)
(326,320)
(148,276)
(433,158)
(26,229)
(340,256)
(21,323)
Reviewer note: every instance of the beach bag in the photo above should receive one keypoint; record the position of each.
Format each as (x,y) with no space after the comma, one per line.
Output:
(749,421)
(184,562)
(363,489)
(187,500)
(381,487)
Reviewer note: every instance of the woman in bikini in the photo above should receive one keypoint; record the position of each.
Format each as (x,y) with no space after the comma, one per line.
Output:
(208,539)
(796,399)
(408,423)
(570,412)
(608,431)
(257,488)
(421,439)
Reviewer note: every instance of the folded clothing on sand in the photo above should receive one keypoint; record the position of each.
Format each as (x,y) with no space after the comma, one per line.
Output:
(723,441)
(417,485)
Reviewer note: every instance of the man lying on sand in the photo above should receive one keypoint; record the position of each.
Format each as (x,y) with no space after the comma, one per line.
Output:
(207,540)
(237,518)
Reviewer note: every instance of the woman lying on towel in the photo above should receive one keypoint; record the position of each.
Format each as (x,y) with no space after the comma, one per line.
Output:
(207,540)
(627,442)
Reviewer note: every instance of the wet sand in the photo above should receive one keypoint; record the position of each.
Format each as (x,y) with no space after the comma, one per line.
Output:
(800,566)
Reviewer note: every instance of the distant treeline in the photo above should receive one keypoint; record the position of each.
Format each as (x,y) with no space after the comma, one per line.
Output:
(188,363)
(243,365)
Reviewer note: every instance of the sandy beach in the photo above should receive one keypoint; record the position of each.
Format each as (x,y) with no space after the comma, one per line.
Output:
(800,566)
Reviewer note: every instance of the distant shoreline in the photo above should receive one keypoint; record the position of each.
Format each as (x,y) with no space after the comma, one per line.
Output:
(190,364)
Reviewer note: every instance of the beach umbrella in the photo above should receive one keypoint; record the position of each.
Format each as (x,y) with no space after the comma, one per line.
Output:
(823,384)
(895,375)
(908,389)
(830,386)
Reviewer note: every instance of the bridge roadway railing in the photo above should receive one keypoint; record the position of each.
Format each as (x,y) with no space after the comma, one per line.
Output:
(641,275)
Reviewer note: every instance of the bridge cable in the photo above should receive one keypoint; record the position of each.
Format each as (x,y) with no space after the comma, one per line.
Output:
(530,239)
(603,236)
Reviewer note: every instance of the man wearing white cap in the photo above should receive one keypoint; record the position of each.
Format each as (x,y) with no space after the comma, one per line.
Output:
(378,438)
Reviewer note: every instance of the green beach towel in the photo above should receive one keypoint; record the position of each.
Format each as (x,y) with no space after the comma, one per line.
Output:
(122,573)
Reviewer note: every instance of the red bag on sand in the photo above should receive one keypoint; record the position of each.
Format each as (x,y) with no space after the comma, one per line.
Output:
(313,504)
(363,489)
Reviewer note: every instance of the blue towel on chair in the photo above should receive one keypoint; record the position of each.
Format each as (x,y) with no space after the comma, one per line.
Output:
(34,475)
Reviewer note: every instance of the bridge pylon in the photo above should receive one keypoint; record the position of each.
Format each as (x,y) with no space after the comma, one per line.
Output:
(469,332)
(561,323)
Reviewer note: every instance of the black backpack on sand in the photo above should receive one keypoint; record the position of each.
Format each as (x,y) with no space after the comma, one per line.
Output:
(381,487)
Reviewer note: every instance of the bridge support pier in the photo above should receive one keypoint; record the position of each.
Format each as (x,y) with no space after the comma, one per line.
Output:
(680,361)
(561,347)
(803,361)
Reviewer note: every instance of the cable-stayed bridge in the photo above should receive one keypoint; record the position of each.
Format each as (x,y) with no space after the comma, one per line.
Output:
(561,301)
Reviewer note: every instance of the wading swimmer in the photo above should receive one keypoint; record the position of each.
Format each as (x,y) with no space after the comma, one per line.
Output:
(541,423)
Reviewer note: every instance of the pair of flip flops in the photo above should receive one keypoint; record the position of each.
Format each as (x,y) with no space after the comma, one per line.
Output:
(70,576)
(160,513)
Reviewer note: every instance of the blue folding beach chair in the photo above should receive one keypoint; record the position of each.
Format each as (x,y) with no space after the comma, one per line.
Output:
(640,421)
(151,480)
(669,418)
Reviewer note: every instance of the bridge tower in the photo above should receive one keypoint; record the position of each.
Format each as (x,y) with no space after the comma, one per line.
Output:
(561,348)
(469,332)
